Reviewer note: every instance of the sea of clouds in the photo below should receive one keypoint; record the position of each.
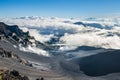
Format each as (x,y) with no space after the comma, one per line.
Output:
(72,35)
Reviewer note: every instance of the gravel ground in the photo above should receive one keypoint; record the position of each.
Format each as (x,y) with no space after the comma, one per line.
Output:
(31,72)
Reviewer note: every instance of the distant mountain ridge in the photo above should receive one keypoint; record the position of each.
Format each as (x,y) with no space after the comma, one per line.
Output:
(14,32)
(21,39)
(7,30)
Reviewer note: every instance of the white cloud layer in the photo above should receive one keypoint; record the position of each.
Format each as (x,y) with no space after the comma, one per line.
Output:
(34,50)
(92,39)
(73,35)
(37,35)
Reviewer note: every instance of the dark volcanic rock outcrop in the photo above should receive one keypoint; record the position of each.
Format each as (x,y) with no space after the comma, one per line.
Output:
(7,30)
(12,75)
(16,36)
(14,33)
(101,64)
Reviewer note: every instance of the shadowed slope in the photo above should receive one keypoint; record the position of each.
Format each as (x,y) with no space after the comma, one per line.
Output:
(101,64)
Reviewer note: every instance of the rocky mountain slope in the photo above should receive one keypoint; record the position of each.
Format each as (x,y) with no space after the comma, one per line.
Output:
(23,40)
(26,63)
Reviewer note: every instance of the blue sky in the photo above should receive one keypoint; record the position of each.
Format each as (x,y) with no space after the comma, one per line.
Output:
(59,8)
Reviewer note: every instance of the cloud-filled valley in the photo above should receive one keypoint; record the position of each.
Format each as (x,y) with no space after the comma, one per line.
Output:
(73,43)
(69,33)
(98,32)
